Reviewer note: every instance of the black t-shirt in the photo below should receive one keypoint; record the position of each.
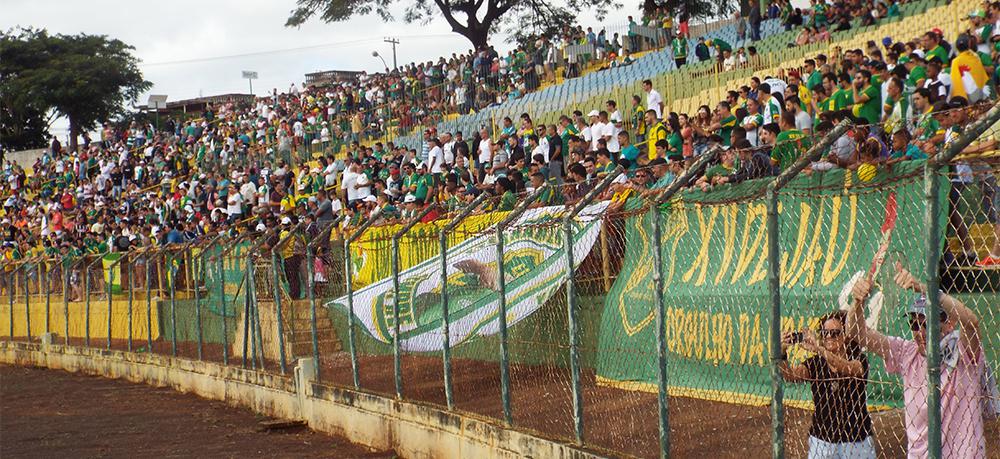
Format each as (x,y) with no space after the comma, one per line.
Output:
(841,414)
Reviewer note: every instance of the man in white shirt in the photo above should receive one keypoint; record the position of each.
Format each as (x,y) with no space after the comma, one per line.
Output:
(615,117)
(609,133)
(536,149)
(436,156)
(485,151)
(596,129)
(654,101)
(351,180)
(449,148)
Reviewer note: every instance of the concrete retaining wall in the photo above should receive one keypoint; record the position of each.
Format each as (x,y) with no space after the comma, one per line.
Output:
(413,430)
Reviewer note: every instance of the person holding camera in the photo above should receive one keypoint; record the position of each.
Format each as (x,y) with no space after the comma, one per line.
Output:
(837,375)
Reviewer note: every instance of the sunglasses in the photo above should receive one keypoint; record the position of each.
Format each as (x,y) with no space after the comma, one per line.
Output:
(831,333)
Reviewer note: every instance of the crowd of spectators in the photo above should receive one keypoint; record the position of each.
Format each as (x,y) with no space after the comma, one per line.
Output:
(236,169)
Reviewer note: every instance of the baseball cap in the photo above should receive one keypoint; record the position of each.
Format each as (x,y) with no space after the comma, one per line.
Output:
(658,162)
(919,306)
(886,41)
(977,14)
(594,113)
(286,221)
(410,198)
(369,198)
(904,59)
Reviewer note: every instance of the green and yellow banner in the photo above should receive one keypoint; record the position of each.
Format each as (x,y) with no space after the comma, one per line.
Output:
(715,280)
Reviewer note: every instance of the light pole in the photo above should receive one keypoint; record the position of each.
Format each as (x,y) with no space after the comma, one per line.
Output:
(250,76)
(379,56)
(393,42)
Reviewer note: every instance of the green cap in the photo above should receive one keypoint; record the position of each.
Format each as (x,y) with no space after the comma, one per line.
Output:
(904,60)
(977,14)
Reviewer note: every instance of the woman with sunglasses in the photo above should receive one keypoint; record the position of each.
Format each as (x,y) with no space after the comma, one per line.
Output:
(837,374)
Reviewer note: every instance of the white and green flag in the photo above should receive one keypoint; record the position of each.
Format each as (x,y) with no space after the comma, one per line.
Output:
(534,266)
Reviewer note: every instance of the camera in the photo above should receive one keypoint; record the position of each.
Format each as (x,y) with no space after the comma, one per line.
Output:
(797,337)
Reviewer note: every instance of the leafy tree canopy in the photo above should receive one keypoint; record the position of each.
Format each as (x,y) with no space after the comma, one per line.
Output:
(86,78)
(473,19)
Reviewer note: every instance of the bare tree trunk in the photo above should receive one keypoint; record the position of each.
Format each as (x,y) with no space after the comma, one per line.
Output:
(74,131)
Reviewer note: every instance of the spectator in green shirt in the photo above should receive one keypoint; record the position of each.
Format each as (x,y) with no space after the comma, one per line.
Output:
(725,168)
(932,48)
(814,77)
(679,46)
(867,98)
(629,151)
(789,144)
(505,190)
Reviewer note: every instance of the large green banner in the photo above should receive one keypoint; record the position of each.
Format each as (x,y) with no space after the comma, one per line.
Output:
(715,283)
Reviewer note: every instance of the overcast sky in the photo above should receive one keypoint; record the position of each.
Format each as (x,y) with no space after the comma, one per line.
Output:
(180,41)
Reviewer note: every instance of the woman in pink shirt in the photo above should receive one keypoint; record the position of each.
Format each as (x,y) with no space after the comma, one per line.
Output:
(962,367)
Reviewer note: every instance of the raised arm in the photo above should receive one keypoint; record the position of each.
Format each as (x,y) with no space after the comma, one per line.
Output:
(856,327)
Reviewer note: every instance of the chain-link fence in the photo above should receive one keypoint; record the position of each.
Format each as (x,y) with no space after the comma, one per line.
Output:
(631,314)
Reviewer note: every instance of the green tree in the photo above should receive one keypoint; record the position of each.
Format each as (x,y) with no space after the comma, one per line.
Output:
(86,78)
(696,9)
(473,19)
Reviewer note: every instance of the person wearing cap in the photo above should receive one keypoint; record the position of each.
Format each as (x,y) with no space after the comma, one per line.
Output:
(968,75)
(962,366)
(410,208)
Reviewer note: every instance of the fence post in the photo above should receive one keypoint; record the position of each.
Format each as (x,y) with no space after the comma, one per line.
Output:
(574,338)
(48,292)
(27,305)
(933,247)
(349,280)
(514,214)
(131,286)
(172,279)
(774,281)
(277,291)
(322,237)
(196,274)
(149,301)
(661,315)
(222,307)
(67,267)
(445,327)
(11,283)
(396,352)
(247,323)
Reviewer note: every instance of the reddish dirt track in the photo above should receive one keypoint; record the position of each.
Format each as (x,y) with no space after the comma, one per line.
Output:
(45,413)
(616,422)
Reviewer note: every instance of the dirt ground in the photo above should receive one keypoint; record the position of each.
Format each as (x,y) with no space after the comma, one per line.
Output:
(46,413)
(616,422)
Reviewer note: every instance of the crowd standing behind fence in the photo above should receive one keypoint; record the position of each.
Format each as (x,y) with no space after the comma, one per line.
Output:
(179,207)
